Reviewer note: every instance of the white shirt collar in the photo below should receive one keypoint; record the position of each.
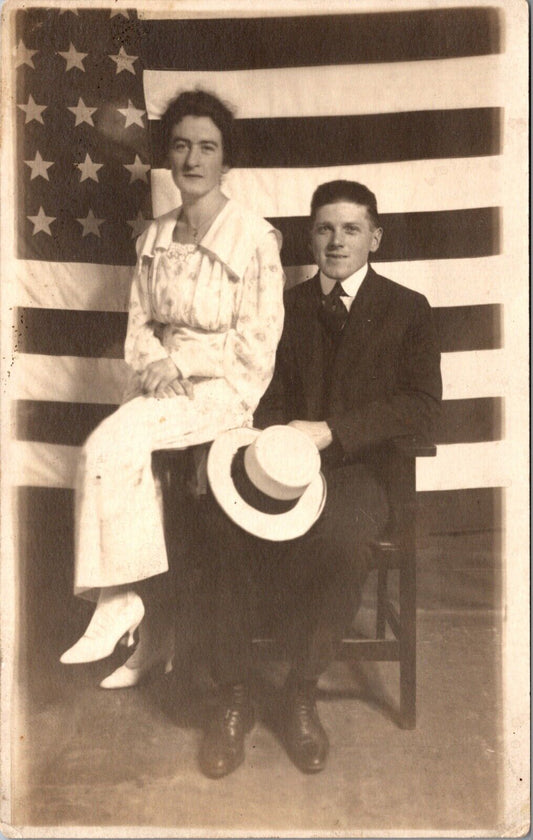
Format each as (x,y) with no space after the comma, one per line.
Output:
(350,285)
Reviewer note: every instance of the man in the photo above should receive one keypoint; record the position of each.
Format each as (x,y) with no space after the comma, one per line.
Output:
(358,364)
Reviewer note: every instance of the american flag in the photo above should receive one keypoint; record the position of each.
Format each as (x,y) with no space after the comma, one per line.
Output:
(408,102)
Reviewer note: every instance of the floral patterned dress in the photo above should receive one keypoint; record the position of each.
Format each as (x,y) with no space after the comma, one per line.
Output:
(217,310)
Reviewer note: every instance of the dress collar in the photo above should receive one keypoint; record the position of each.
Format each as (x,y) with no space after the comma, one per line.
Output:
(232,238)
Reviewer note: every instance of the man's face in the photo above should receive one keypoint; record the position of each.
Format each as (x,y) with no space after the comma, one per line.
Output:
(342,237)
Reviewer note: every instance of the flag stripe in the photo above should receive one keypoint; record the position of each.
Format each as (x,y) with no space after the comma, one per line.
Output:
(462,465)
(455,234)
(425,185)
(456,466)
(441,281)
(352,140)
(69,424)
(70,379)
(105,287)
(366,88)
(466,511)
(251,43)
(76,379)
(59,332)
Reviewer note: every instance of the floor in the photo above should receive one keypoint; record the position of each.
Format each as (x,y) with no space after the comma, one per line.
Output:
(88,757)
(88,762)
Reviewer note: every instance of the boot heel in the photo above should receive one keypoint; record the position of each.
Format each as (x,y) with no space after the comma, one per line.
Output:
(168,666)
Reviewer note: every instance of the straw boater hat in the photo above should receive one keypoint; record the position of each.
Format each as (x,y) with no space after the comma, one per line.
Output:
(268,482)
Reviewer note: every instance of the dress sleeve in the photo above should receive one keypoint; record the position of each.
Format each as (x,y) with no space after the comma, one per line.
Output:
(250,347)
(142,345)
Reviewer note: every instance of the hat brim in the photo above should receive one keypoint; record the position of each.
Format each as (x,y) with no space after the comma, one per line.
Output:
(275,527)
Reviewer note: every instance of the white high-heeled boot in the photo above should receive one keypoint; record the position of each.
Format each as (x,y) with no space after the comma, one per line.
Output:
(155,648)
(115,615)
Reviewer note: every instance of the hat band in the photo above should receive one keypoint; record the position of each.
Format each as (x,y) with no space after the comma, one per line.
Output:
(251,494)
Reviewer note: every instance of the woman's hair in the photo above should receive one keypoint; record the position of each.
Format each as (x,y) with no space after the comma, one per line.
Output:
(200,103)
(335,191)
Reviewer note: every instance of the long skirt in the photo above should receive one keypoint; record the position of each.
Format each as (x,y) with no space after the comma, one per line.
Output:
(119,527)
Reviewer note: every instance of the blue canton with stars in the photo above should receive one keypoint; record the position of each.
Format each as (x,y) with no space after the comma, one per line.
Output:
(83,171)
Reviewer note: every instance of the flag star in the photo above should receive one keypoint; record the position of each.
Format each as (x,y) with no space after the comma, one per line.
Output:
(39,167)
(23,55)
(138,170)
(133,115)
(83,113)
(118,12)
(124,61)
(32,110)
(89,169)
(90,224)
(41,222)
(138,225)
(73,58)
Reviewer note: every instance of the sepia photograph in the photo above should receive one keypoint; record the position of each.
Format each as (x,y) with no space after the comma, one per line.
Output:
(265,419)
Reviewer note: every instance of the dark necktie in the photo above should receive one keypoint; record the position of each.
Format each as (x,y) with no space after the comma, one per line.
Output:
(333,310)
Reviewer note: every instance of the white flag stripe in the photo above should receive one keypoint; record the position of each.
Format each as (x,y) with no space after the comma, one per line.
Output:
(465,375)
(456,466)
(282,8)
(463,465)
(43,464)
(69,379)
(105,288)
(81,286)
(472,82)
(416,186)
(482,373)
(466,282)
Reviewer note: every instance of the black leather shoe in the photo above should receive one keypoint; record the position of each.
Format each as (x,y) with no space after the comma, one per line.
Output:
(306,741)
(222,748)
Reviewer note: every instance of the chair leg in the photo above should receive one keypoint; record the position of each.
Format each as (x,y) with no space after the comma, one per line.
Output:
(408,646)
(381,603)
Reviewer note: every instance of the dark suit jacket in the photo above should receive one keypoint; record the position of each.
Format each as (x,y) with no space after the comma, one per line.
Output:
(386,377)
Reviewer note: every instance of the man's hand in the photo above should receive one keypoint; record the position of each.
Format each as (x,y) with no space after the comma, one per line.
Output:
(178,387)
(157,375)
(317,430)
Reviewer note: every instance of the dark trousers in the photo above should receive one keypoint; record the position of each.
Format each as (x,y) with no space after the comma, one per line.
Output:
(310,586)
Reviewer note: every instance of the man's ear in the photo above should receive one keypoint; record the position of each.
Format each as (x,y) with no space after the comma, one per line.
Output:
(377,233)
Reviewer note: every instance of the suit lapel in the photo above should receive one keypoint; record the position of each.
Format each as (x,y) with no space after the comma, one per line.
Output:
(311,357)
(366,314)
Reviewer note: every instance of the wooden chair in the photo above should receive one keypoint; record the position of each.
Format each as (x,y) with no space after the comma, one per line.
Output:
(396,551)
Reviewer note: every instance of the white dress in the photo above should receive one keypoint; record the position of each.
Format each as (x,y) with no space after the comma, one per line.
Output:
(217,310)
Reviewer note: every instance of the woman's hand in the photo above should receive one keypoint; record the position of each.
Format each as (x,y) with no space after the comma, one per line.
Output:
(178,387)
(157,375)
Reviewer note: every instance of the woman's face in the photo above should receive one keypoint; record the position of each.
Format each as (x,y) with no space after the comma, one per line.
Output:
(195,155)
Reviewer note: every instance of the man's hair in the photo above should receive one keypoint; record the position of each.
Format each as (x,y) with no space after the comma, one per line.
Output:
(335,191)
(200,103)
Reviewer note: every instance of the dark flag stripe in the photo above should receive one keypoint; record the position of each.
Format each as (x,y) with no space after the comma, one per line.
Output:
(434,235)
(254,43)
(351,140)
(430,235)
(471,420)
(61,332)
(69,424)
(469,327)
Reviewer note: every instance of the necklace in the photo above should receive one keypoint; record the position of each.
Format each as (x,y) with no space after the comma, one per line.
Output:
(202,227)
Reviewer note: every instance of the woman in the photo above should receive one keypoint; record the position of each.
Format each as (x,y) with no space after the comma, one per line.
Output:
(205,317)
